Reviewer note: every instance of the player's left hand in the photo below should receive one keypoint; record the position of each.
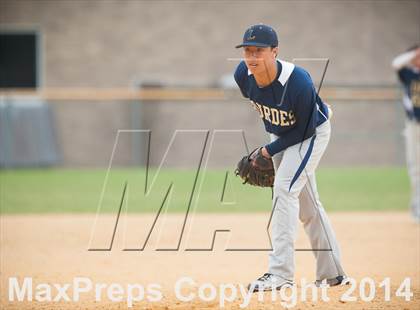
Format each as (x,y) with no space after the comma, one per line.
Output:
(256,169)
(265,153)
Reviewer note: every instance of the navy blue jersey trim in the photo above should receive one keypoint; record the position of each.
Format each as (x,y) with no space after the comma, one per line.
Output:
(304,162)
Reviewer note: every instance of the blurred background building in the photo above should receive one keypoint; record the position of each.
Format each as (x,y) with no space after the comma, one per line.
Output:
(86,60)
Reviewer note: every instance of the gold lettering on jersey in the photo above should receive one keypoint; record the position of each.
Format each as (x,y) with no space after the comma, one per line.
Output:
(415,93)
(292,117)
(266,113)
(275,116)
(283,118)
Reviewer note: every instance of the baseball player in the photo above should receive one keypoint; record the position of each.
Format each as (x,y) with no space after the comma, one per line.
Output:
(297,121)
(407,66)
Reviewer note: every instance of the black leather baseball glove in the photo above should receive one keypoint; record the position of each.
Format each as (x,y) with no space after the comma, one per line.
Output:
(255,169)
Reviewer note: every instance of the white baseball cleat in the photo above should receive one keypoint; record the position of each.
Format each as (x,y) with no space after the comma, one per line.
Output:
(268,282)
(340,280)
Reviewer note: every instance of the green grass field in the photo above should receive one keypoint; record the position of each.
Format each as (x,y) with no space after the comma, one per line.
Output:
(76,191)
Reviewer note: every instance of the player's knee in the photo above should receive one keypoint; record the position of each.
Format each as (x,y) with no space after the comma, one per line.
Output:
(281,189)
(282,183)
(284,197)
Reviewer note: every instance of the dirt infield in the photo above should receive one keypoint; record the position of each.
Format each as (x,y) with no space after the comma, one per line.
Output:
(53,249)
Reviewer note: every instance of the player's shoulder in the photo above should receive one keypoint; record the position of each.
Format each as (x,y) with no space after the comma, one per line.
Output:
(241,78)
(241,72)
(300,76)
(298,79)
(407,74)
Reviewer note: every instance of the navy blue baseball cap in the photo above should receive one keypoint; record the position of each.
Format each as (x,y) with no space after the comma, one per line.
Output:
(259,35)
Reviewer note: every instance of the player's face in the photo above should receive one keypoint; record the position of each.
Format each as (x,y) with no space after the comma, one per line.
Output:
(257,59)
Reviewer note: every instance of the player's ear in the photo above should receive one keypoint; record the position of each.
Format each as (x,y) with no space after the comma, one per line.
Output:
(275,51)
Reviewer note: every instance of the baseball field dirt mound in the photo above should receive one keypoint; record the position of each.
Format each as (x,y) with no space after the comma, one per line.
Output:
(46,258)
